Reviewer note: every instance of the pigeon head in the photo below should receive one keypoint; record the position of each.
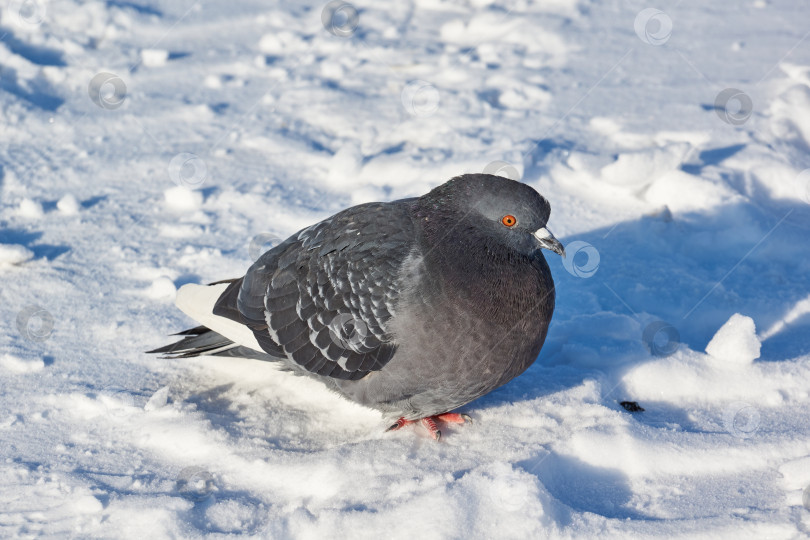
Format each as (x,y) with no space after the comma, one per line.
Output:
(510,212)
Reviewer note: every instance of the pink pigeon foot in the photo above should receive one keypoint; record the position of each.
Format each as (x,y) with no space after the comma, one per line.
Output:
(429,423)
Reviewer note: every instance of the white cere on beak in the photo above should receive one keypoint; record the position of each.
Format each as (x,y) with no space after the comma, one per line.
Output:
(543,234)
(547,241)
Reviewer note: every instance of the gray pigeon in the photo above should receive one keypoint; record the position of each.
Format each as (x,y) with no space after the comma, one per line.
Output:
(413,307)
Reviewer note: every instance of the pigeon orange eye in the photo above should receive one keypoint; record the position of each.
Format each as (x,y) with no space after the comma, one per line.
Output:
(509,220)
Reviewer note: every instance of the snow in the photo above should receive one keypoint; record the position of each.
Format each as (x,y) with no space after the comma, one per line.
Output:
(736,341)
(14,254)
(68,205)
(162,287)
(149,145)
(14,364)
(182,199)
(30,209)
(154,57)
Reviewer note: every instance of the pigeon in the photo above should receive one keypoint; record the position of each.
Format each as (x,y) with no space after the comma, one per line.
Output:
(413,307)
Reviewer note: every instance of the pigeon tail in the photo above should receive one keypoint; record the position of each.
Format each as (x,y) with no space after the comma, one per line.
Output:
(218,335)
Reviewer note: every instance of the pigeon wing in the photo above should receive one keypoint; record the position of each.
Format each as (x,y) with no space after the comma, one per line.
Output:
(325,296)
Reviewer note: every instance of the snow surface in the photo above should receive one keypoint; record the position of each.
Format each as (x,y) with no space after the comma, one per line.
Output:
(150,144)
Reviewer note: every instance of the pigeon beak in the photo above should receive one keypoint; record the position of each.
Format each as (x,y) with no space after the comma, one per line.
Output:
(547,241)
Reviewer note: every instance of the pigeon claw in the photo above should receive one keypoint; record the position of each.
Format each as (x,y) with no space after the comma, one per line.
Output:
(454,418)
(430,423)
(398,424)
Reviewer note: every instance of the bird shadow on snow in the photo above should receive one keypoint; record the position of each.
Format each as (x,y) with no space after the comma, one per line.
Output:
(692,271)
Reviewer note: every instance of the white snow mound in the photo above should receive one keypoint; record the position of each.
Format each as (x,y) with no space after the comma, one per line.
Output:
(182,199)
(736,341)
(11,254)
